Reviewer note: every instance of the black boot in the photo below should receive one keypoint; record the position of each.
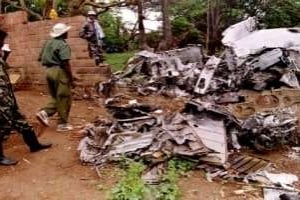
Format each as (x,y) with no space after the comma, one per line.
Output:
(4,160)
(31,140)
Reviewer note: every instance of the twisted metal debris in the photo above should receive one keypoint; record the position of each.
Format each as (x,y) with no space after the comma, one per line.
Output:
(203,132)
(194,133)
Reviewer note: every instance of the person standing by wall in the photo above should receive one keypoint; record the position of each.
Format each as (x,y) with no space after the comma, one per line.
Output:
(10,116)
(55,56)
(93,33)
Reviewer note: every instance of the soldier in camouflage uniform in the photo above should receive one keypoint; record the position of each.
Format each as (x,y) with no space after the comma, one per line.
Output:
(10,116)
(93,33)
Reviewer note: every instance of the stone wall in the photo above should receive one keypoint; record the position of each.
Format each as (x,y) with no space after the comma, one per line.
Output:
(27,38)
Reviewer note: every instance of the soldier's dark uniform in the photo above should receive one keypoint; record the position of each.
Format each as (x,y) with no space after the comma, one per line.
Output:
(12,119)
(88,32)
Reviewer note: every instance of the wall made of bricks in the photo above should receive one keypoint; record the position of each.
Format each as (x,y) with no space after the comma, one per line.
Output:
(27,38)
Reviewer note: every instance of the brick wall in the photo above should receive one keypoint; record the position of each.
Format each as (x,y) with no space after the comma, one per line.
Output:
(27,38)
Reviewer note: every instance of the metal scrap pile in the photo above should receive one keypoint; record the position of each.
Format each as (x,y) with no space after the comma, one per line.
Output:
(253,59)
(204,132)
(267,130)
(172,73)
(197,133)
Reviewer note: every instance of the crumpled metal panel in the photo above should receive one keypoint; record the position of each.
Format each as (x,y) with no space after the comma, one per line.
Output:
(268,130)
(263,39)
(195,133)
(244,164)
(191,54)
(238,31)
(267,59)
(206,75)
(141,141)
(280,194)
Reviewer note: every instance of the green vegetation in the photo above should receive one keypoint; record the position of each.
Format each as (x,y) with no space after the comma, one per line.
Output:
(117,60)
(116,40)
(132,187)
(168,189)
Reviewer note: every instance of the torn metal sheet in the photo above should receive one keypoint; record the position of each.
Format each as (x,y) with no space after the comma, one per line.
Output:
(267,59)
(197,133)
(239,31)
(244,164)
(294,153)
(278,194)
(269,130)
(282,178)
(132,145)
(290,79)
(191,54)
(263,39)
(171,73)
(206,75)
(239,167)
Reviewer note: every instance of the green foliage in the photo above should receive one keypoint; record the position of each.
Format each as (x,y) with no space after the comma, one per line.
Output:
(282,13)
(168,189)
(115,39)
(153,38)
(131,187)
(118,60)
(183,165)
(185,31)
(190,16)
(189,21)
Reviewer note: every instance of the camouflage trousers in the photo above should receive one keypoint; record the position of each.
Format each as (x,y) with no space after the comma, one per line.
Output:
(13,120)
(96,52)
(10,116)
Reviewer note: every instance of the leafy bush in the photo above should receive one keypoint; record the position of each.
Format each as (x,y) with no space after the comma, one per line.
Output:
(115,39)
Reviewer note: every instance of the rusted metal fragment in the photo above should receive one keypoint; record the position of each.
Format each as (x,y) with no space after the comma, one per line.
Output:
(244,164)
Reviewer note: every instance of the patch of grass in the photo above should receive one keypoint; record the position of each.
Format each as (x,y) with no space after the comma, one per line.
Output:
(117,60)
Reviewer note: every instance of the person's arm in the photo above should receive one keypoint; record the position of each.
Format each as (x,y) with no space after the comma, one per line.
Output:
(41,53)
(65,56)
(5,55)
(67,67)
(84,32)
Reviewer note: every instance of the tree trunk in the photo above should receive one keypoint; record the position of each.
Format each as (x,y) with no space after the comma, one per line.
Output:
(213,17)
(47,9)
(54,5)
(166,43)
(142,35)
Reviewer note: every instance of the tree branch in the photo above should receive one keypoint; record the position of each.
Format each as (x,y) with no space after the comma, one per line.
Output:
(106,6)
(23,7)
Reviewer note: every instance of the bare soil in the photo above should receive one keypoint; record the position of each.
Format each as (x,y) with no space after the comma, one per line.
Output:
(58,174)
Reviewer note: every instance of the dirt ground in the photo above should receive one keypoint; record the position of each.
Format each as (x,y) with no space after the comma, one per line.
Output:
(58,174)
